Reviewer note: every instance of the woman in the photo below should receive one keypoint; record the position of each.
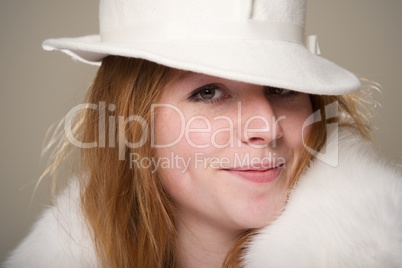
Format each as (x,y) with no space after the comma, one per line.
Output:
(206,122)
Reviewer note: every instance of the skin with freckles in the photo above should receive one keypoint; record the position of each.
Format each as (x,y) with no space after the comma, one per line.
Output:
(241,143)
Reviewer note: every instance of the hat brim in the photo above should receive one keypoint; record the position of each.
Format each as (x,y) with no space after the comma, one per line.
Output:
(274,63)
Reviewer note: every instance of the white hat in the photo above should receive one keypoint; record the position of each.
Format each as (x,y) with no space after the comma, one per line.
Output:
(254,41)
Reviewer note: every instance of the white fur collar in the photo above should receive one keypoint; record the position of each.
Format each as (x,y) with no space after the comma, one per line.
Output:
(344,216)
(60,238)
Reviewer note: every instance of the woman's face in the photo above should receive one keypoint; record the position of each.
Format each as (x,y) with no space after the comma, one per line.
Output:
(227,149)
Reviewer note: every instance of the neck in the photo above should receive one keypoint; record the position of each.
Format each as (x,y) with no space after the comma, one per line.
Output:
(200,246)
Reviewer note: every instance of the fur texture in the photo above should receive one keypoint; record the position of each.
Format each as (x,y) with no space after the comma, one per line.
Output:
(60,238)
(344,216)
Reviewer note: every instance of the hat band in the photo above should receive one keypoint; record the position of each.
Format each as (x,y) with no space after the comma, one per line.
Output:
(205,30)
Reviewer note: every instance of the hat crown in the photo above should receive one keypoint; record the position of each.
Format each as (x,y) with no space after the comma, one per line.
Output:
(121,13)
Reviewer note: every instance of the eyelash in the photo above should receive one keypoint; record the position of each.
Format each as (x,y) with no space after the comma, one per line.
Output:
(287,95)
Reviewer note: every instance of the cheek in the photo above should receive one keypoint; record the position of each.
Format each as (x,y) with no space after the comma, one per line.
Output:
(198,132)
(296,125)
(209,133)
(172,128)
(168,126)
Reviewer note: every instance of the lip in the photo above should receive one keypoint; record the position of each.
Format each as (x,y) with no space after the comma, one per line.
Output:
(256,175)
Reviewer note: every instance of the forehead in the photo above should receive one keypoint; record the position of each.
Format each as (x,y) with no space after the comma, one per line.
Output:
(188,76)
(193,79)
(188,79)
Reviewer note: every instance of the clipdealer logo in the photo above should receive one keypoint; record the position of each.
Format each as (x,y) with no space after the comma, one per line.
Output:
(148,132)
(328,154)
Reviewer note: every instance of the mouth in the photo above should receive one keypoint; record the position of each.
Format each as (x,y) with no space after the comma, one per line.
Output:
(256,174)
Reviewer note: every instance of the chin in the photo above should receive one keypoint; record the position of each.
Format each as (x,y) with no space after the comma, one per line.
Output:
(264,215)
(257,221)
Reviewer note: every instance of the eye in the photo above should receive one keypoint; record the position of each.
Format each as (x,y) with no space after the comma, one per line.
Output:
(208,93)
(279,92)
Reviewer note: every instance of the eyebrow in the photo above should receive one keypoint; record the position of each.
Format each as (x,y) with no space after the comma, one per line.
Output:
(184,74)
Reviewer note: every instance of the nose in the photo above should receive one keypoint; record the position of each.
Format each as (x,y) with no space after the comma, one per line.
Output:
(260,124)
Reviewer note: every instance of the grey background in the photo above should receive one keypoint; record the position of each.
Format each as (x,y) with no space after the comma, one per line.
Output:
(37,88)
